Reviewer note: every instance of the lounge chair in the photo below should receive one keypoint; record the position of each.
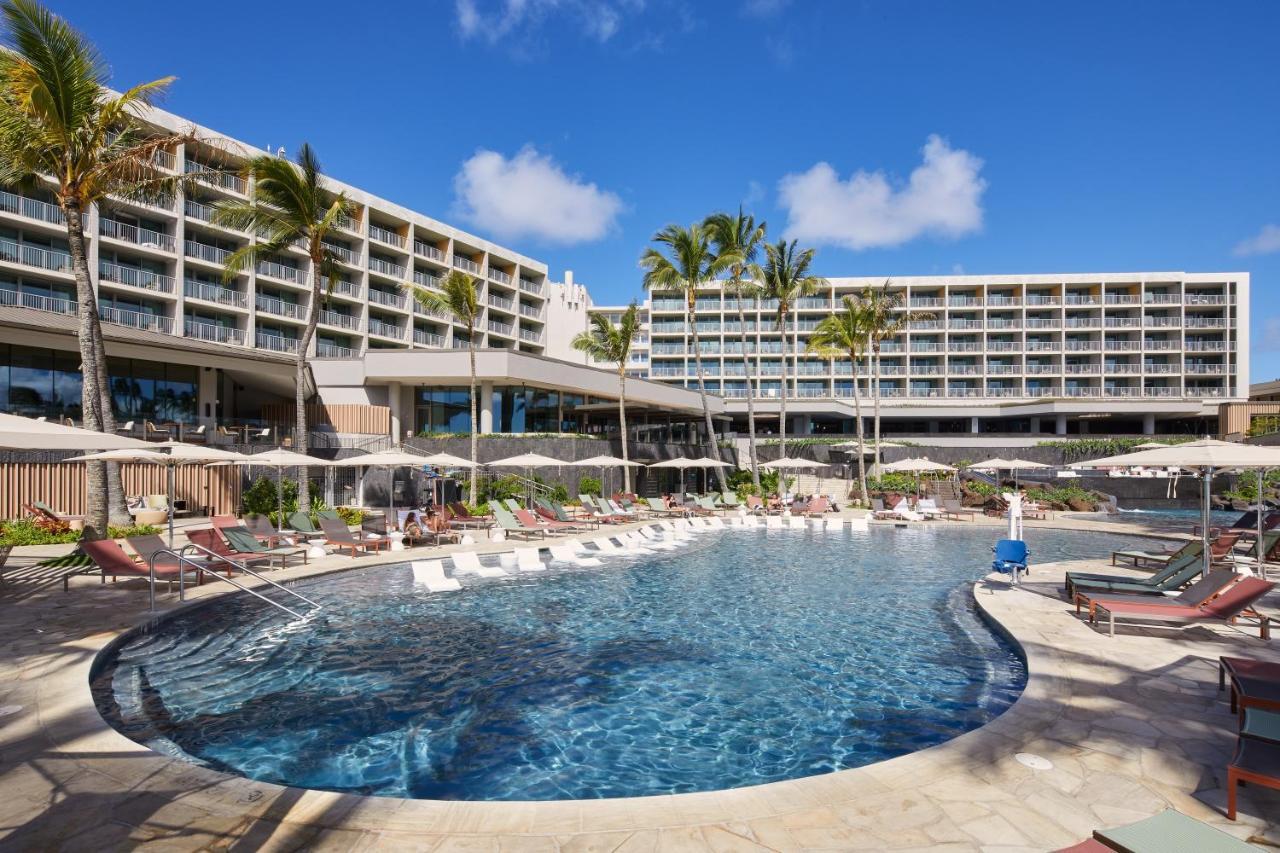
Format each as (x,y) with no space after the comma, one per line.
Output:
(1173,576)
(245,542)
(468,562)
(527,560)
(1201,592)
(668,539)
(607,546)
(430,573)
(952,508)
(510,524)
(1168,831)
(111,560)
(300,523)
(565,553)
(600,512)
(1270,547)
(730,500)
(338,535)
(553,511)
(619,510)
(657,507)
(147,546)
(903,511)
(1236,601)
(210,544)
(420,527)
(632,537)
(530,520)
(1254,683)
(1260,724)
(41,510)
(928,507)
(1010,556)
(817,508)
(1158,558)
(1256,762)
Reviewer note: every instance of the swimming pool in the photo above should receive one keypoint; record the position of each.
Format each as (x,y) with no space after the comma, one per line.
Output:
(746,657)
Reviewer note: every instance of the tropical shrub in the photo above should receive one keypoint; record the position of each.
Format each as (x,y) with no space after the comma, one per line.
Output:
(1077,449)
(27,531)
(589,486)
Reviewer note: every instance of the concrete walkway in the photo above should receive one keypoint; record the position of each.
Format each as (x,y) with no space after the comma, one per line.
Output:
(1131,725)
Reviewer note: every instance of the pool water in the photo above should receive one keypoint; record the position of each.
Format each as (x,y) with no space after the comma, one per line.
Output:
(748,657)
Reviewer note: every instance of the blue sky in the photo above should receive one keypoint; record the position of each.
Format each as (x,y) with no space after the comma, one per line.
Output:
(898,137)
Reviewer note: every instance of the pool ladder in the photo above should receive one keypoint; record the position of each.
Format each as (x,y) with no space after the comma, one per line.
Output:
(206,565)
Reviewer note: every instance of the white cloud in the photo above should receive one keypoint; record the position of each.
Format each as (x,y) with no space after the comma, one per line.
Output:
(942,197)
(957,269)
(1269,340)
(764,8)
(530,195)
(1264,242)
(755,194)
(598,19)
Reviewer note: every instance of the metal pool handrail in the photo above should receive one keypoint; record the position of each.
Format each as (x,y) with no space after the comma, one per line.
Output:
(184,560)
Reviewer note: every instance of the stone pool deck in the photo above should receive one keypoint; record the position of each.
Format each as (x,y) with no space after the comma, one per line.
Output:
(1131,725)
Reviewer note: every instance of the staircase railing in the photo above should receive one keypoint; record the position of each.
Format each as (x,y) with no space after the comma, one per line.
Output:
(203,564)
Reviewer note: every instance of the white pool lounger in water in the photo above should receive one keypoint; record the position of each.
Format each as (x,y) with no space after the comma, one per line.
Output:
(565,553)
(430,573)
(641,541)
(527,560)
(666,541)
(773,522)
(608,546)
(468,562)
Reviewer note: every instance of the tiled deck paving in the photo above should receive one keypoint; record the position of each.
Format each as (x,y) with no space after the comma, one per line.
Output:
(1131,724)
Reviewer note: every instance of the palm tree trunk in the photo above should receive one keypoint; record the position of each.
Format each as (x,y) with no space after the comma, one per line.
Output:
(751,406)
(862,446)
(300,393)
(875,396)
(712,448)
(622,418)
(96,416)
(475,427)
(782,413)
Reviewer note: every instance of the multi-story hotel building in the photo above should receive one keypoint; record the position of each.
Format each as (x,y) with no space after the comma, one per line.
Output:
(1123,352)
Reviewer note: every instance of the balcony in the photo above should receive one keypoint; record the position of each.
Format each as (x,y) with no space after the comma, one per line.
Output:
(324,349)
(1121,391)
(386,330)
(964,301)
(969,370)
(1041,369)
(531,335)
(1122,346)
(31,208)
(813,303)
(1043,323)
(280,308)
(37,302)
(277,270)
(1001,391)
(1122,322)
(964,346)
(1162,322)
(135,277)
(1120,299)
(1206,299)
(1158,369)
(390,300)
(810,393)
(340,287)
(343,253)
(426,279)
(429,339)
(213,293)
(925,325)
(196,210)
(1202,369)
(1008,302)
(1122,369)
(1206,346)
(1078,369)
(1161,299)
(926,346)
(1078,299)
(426,250)
(531,311)
(387,268)
(1160,345)
(275,342)
(1206,323)
(499,276)
(535,288)
(34,256)
(1003,323)
(1082,391)
(1206,391)
(1042,300)
(424,311)
(1001,369)
(964,392)
(216,177)
(135,320)
(926,392)
(1159,391)
(925,302)
(204,252)
(501,304)
(385,235)
(466,264)
(213,332)
(337,318)
(964,324)
(1083,346)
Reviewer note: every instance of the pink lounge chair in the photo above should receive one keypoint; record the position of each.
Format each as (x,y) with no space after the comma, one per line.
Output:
(108,556)
(1237,601)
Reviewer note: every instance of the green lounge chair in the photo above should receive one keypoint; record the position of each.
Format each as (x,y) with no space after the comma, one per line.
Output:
(300,522)
(659,508)
(1168,832)
(509,523)
(553,511)
(1139,558)
(331,514)
(244,542)
(709,505)
(1187,556)
(730,500)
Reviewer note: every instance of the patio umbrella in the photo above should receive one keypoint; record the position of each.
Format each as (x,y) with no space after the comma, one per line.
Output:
(177,454)
(606,462)
(19,433)
(919,465)
(390,459)
(1150,445)
(447,460)
(853,445)
(279,458)
(683,463)
(528,461)
(1206,457)
(1014,465)
(793,464)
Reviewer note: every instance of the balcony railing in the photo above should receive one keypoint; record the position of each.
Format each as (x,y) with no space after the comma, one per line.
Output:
(337,318)
(205,252)
(428,339)
(1082,391)
(344,254)
(391,300)
(426,250)
(501,328)
(135,319)
(386,235)
(1010,301)
(420,309)
(386,268)
(386,330)
(1122,322)
(216,177)
(1159,369)
(465,264)
(964,301)
(135,277)
(213,332)
(1081,368)
(1160,345)
(280,271)
(1206,323)
(1079,299)
(1042,323)
(1041,369)
(500,303)
(1123,346)
(1206,299)
(1122,369)
(275,343)
(37,302)
(1121,391)
(536,289)
(532,311)
(196,210)
(964,346)
(1082,346)
(1157,391)
(499,276)
(340,287)
(925,302)
(324,349)
(1120,299)
(531,335)
(1162,322)
(1041,300)
(31,208)
(1206,368)
(426,279)
(964,392)
(657,304)
(1206,346)
(213,293)
(280,308)
(999,391)
(1161,299)
(34,256)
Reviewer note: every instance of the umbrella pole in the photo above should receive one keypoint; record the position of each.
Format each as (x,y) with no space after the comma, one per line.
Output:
(1204,520)
(1262,555)
(171,490)
(280,499)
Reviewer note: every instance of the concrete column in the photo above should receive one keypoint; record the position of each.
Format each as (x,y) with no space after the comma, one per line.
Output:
(395,402)
(1149,424)
(485,407)
(207,397)
(1035,425)
(933,426)
(802,425)
(1084,426)
(973,425)
(1060,425)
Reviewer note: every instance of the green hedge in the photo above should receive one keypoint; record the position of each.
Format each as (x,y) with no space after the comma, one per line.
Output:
(25,531)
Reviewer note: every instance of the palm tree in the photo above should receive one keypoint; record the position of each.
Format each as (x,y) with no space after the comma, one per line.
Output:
(459,298)
(739,237)
(847,334)
(289,206)
(785,277)
(60,124)
(886,319)
(604,341)
(688,265)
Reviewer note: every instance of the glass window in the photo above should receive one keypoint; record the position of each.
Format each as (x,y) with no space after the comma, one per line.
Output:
(30,381)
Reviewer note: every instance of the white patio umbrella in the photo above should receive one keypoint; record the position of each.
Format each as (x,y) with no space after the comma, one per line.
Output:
(683,463)
(606,462)
(1205,457)
(390,459)
(787,463)
(1014,465)
(528,461)
(279,458)
(870,445)
(178,453)
(447,460)
(1150,445)
(917,465)
(19,433)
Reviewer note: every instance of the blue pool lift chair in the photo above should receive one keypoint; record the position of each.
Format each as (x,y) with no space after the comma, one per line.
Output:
(1010,557)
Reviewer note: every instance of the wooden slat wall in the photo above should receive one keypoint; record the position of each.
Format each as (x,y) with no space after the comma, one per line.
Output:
(342,417)
(1234,418)
(62,485)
